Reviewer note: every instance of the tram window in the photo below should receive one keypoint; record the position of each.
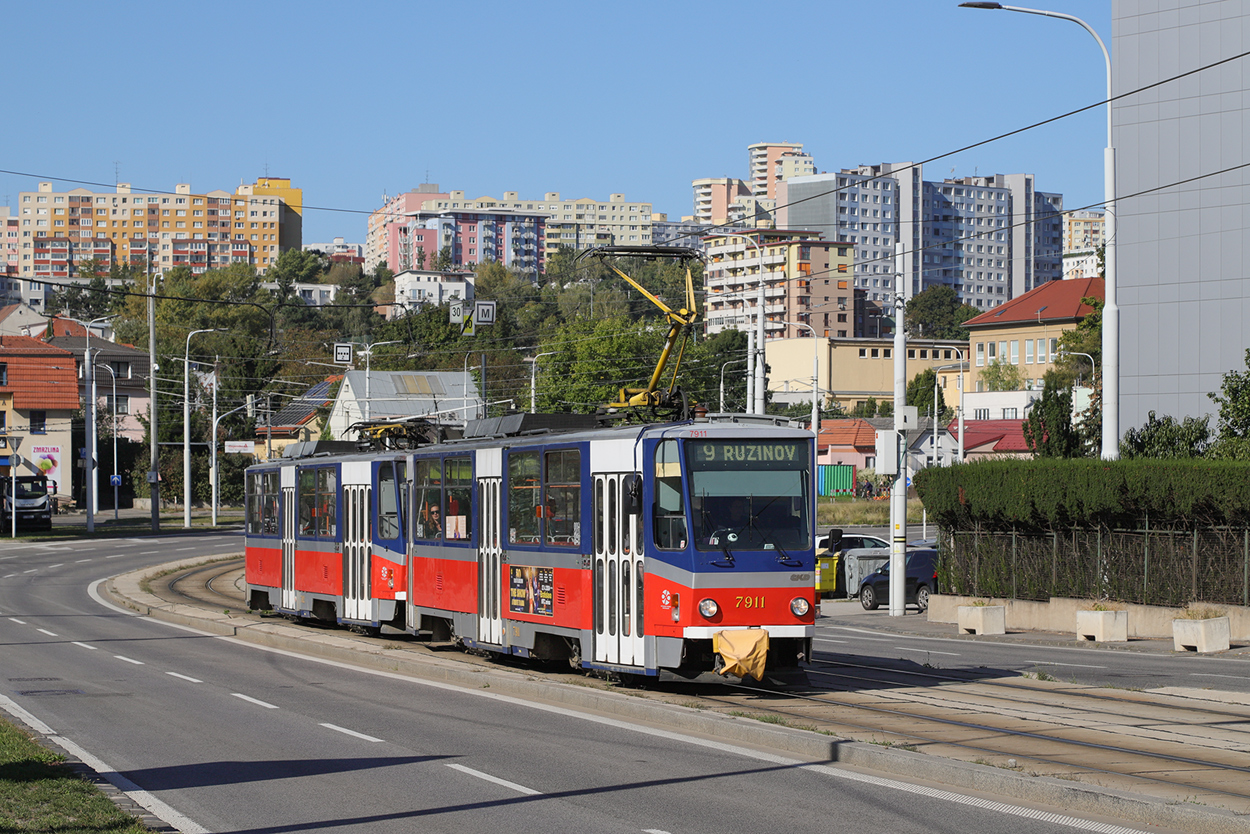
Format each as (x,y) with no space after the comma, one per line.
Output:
(563,509)
(427,497)
(524,498)
(625,588)
(458,512)
(638,596)
(317,501)
(388,502)
(612,598)
(667,512)
(614,532)
(262,503)
(597,511)
(599,596)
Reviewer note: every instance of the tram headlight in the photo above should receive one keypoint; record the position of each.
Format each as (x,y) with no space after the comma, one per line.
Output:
(708,608)
(799,606)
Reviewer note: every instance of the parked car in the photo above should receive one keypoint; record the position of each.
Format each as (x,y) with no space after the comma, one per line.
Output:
(921,580)
(844,562)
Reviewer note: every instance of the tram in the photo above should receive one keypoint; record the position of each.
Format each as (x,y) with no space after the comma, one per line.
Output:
(678,550)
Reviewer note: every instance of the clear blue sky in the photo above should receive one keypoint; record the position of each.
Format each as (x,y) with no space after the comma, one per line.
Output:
(586,98)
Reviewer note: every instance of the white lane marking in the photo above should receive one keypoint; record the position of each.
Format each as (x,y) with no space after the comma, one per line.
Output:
(924,651)
(893,784)
(251,700)
(1204,675)
(1057,663)
(49,633)
(148,552)
(179,821)
(654,831)
(180,549)
(827,640)
(93,591)
(57,565)
(487,777)
(115,556)
(16,620)
(185,677)
(84,645)
(129,660)
(10,574)
(352,733)
(80,561)
(32,570)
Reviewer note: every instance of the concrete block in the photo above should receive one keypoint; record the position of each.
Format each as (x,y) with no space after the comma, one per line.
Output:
(1201,636)
(1102,626)
(982,619)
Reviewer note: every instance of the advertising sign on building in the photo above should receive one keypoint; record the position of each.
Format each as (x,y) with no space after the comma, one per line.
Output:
(47,459)
(239,447)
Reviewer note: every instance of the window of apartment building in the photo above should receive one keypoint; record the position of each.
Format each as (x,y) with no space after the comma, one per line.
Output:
(980,414)
(1015,352)
(1041,351)
(4,374)
(38,422)
(1010,413)
(122,406)
(1028,351)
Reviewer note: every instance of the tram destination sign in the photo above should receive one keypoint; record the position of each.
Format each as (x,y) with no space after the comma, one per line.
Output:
(762,451)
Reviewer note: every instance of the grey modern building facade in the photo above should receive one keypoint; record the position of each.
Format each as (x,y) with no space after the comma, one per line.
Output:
(988,238)
(1183,288)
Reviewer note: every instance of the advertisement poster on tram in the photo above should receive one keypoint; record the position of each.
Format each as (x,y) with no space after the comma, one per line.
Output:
(530,590)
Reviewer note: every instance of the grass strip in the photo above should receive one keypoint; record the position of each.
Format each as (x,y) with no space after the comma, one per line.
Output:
(40,793)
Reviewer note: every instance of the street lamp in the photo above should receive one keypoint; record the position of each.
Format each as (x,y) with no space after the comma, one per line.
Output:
(815,375)
(1111,307)
(89,380)
(1092,365)
(115,480)
(367,353)
(722,382)
(755,368)
(533,360)
(960,366)
(186,426)
(213,461)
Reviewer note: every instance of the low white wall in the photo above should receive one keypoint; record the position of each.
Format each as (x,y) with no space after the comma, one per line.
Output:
(1149,622)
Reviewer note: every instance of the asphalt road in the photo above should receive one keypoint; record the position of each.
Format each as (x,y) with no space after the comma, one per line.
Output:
(218,735)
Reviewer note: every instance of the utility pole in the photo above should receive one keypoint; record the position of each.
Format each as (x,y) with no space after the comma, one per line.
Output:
(154,472)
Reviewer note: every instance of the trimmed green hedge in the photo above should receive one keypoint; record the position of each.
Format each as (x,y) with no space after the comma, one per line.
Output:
(1051,494)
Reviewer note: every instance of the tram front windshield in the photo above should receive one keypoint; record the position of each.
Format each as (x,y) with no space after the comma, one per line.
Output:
(750,494)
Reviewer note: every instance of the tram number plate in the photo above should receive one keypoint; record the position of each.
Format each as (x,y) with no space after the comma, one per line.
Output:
(749,602)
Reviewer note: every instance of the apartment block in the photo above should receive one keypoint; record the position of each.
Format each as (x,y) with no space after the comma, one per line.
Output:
(988,238)
(1083,231)
(714,197)
(770,163)
(518,233)
(61,229)
(805,280)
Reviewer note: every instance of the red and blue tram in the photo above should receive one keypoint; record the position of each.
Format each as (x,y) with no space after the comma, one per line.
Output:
(671,550)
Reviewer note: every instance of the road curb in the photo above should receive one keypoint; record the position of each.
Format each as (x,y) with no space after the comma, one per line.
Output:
(126,590)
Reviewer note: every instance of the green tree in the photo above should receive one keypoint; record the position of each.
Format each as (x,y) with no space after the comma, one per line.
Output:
(293,266)
(1001,376)
(1167,438)
(920,393)
(937,313)
(1234,402)
(1048,429)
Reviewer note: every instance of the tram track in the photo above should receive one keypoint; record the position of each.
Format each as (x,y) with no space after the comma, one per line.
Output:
(1165,745)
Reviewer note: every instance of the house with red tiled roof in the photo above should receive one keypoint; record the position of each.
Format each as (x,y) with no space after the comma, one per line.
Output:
(38,398)
(1025,331)
(992,439)
(21,320)
(851,442)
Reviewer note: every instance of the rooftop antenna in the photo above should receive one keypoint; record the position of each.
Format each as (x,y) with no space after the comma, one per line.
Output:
(117,176)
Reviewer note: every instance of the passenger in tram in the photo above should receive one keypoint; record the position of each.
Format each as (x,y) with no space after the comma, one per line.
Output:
(433,522)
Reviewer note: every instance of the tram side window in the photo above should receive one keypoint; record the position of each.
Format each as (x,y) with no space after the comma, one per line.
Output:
(563,509)
(458,512)
(524,498)
(317,502)
(427,484)
(262,504)
(667,512)
(388,501)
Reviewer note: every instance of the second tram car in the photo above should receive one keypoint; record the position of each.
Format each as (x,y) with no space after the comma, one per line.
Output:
(671,550)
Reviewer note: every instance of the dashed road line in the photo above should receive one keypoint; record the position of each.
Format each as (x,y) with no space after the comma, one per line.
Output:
(57,565)
(252,700)
(80,561)
(129,659)
(487,777)
(351,733)
(16,620)
(84,645)
(924,651)
(185,677)
(49,633)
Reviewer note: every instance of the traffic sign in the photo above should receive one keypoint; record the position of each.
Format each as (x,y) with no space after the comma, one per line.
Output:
(457,312)
(483,312)
(115,480)
(466,326)
(343,353)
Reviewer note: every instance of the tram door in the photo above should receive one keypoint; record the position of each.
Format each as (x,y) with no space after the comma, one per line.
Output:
(490,550)
(618,574)
(357,547)
(288,540)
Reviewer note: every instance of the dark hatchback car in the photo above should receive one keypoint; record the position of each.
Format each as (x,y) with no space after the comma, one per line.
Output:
(921,581)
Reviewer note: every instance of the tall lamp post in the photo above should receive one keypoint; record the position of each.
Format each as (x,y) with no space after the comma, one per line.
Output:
(367,353)
(89,380)
(186,427)
(533,360)
(1111,307)
(755,366)
(722,382)
(114,480)
(213,463)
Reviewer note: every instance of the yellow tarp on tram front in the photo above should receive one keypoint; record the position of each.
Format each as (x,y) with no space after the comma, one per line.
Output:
(744,651)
